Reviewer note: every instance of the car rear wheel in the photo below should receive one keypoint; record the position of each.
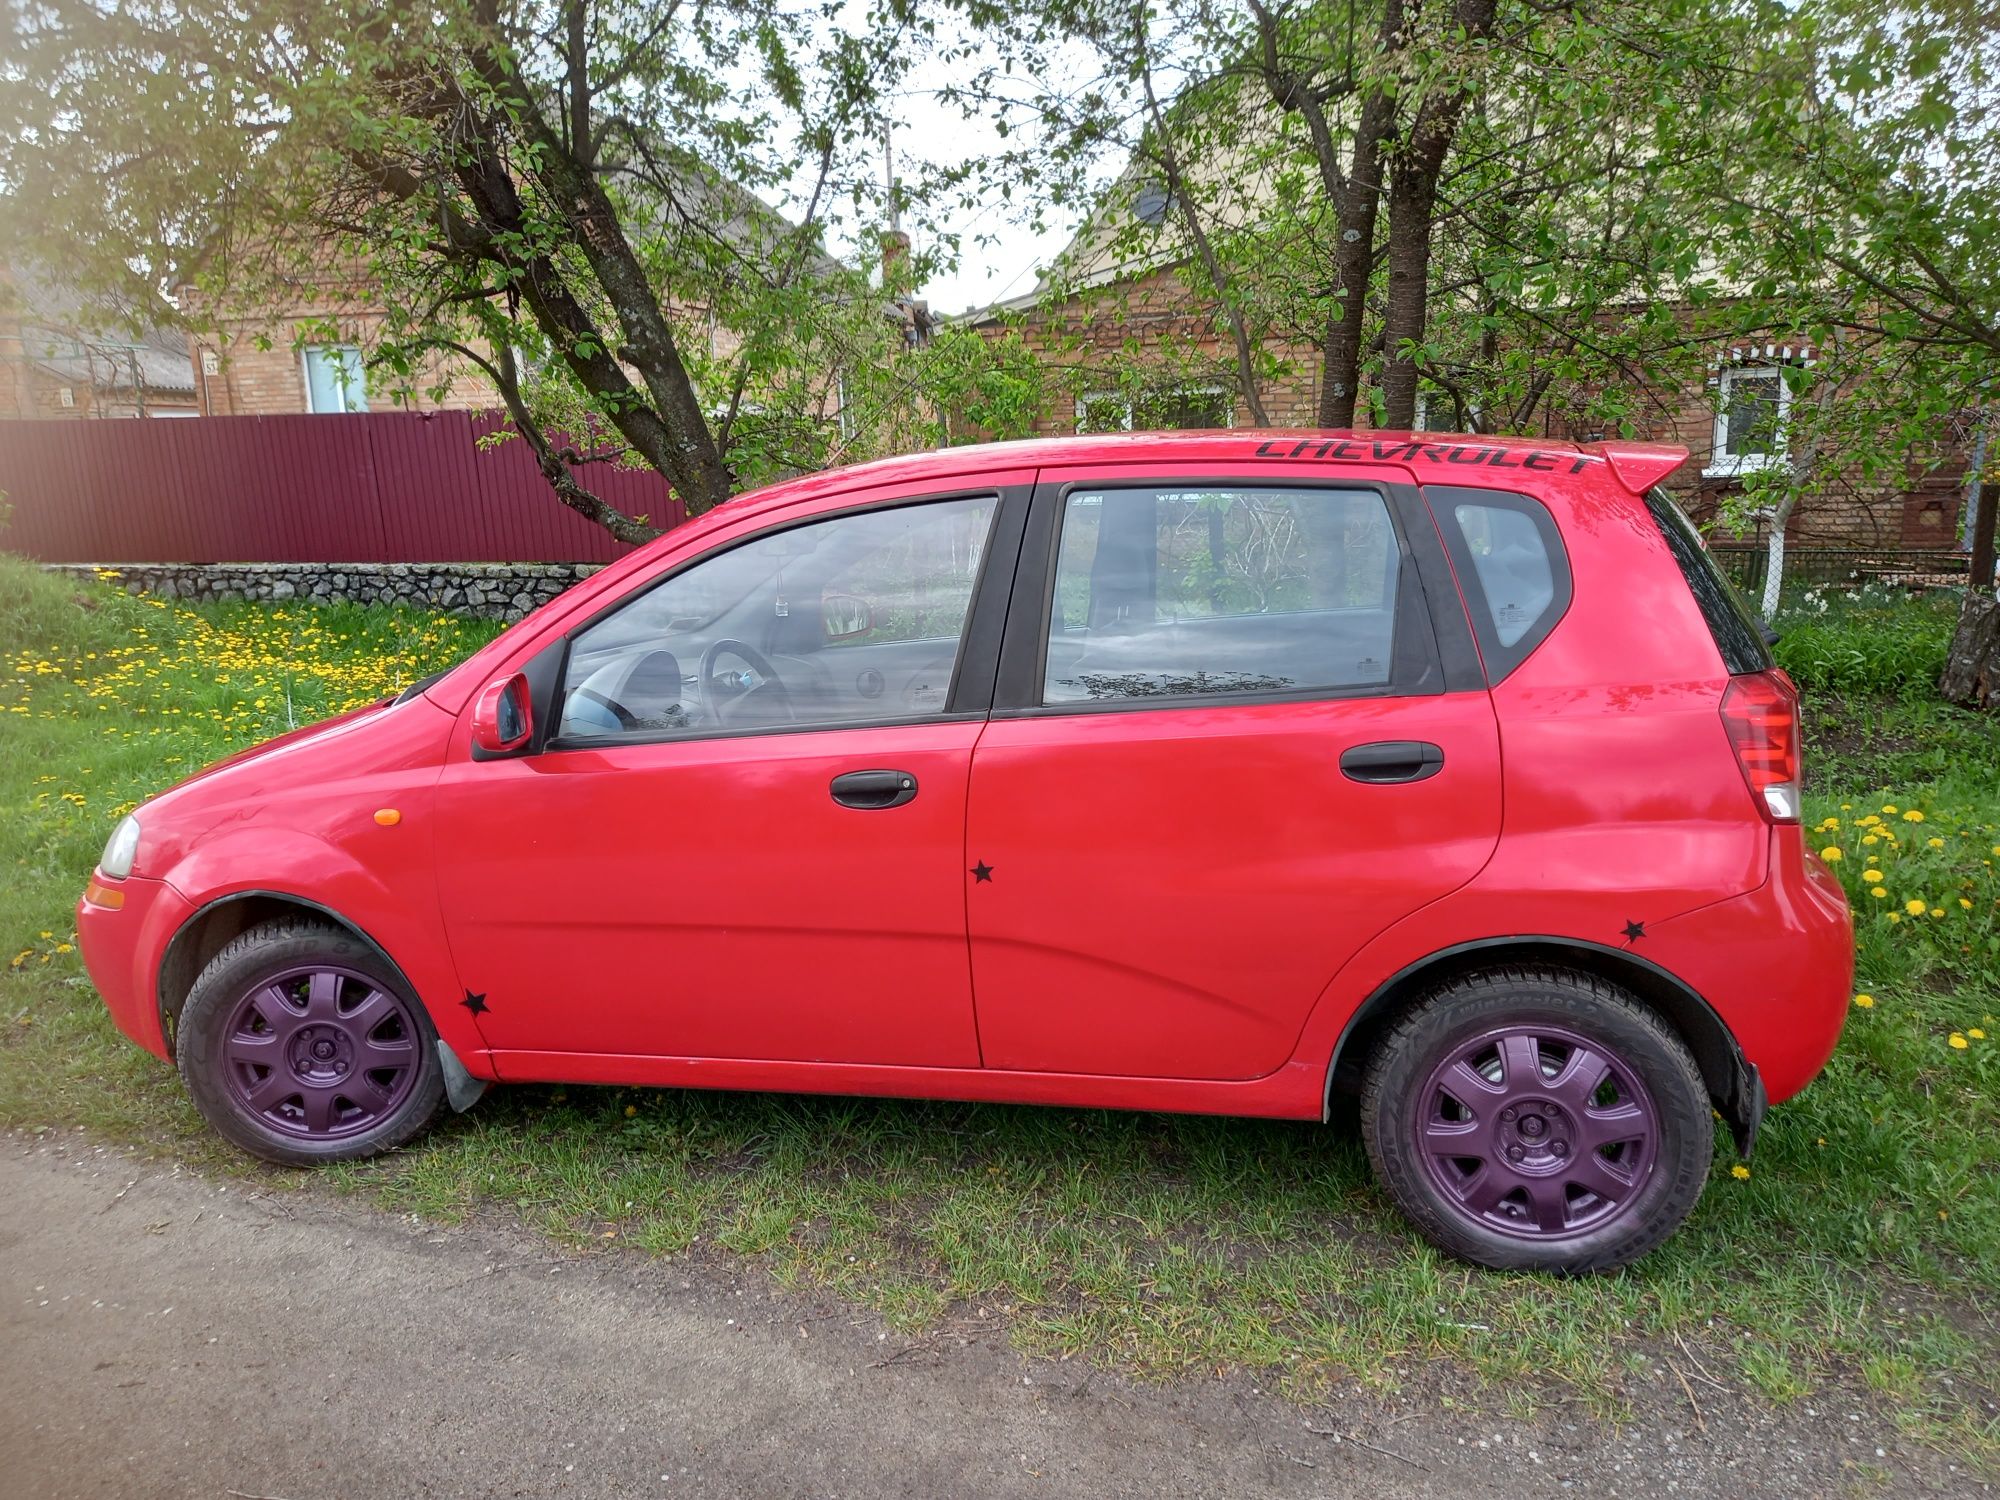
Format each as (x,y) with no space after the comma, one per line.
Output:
(300,1044)
(1538,1119)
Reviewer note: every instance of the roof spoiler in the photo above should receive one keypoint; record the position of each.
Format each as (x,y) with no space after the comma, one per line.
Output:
(1640,466)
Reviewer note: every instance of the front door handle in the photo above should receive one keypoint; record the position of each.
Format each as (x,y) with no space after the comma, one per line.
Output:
(1387,761)
(872,791)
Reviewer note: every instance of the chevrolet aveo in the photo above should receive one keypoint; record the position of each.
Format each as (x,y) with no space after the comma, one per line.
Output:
(1212,772)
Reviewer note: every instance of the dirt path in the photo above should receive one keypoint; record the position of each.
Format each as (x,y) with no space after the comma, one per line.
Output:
(163,1335)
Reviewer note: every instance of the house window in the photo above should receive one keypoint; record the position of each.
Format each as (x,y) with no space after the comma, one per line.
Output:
(1181,408)
(335,380)
(1752,406)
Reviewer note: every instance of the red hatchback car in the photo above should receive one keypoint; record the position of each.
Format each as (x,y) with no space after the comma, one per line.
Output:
(1210,772)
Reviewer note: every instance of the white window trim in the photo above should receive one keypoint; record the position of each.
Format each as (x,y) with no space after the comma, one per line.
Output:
(1088,399)
(306,352)
(1722,464)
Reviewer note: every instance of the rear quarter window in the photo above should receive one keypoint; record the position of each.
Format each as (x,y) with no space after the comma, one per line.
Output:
(1738,634)
(1511,568)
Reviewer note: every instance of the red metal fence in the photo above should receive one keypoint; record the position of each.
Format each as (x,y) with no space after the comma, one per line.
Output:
(374,487)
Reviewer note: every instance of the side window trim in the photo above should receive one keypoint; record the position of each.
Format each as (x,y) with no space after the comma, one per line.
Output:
(1501,660)
(981,630)
(1417,669)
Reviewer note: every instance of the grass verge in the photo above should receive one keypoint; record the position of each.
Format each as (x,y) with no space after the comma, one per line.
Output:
(1861,1250)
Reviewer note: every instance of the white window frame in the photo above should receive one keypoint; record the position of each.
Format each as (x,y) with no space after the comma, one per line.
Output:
(306,352)
(1125,402)
(1721,462)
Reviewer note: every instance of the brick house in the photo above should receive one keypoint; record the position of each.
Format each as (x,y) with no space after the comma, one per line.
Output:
(59,361)
(1134,346)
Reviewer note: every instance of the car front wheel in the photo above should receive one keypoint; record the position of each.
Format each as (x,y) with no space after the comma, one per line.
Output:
(300,1044)
(1538,1119)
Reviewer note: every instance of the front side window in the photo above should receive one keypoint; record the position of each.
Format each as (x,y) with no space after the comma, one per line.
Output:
(1189,592)
(1752,408)
(335,379)
(852,619)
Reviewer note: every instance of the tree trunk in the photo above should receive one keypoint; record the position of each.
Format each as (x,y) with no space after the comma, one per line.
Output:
(1354,260)
(1972,670)
(1413,182)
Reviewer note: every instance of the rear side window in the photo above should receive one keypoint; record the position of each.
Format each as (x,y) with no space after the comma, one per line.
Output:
(1194,593)
(1737,634)
(1511,567)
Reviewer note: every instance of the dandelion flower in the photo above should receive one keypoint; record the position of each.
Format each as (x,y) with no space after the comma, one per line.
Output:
(1975,1033)
(1916,906)
(1866,1002)
(1889,808)
(1740,1172)
(1914,815)
(1958,1041)
(1831,854)
(1871,875)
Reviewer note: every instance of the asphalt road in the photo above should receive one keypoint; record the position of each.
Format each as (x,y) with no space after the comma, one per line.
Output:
(164,1335)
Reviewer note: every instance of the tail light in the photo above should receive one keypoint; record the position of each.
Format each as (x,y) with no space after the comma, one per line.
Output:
(1760,710)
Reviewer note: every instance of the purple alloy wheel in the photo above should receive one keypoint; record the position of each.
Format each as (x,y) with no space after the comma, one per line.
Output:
(1537,1132)
(320,1053)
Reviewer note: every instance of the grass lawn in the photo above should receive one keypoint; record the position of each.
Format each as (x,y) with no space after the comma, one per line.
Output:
(1862,1249)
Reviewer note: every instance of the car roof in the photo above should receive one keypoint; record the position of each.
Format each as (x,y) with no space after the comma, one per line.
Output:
(1638,466)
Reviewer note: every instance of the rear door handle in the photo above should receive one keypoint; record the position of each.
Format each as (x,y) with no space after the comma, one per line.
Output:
(1387,761)
(873,790)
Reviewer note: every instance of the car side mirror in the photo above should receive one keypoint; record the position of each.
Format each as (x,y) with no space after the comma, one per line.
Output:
(503,721)
(844,616)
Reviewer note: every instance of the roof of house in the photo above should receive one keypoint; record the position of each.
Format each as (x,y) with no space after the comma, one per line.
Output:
(106,349)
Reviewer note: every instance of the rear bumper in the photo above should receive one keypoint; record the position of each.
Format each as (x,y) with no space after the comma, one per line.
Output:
(124,948)
(1777,965)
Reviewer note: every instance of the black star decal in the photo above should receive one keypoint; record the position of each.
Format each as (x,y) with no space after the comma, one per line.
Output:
(1634,931)
(474,1003)
(982,872)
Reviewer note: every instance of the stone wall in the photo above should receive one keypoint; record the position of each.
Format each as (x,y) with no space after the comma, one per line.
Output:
(500,591)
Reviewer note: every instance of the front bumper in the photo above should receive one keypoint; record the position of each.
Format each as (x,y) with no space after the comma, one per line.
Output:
(124,948)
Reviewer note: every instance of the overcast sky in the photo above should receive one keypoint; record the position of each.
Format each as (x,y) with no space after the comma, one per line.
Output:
(1006,264)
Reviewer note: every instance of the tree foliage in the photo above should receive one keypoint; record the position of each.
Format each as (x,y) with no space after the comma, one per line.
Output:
(561,193)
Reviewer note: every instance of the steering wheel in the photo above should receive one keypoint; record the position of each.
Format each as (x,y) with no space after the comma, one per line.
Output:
(711,707)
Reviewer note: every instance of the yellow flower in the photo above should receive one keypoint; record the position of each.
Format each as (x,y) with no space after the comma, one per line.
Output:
(1957,1040)
(1868,822)
(1889,808)
(1935,843)
(631,1110)
(1866,1002)
(1879,890)
(1937,911)
(1740,1172)
(1871,875)
(1915,906)
(1965,903)
(1831,854)
(1976,1034)
(1913,816)
(1871,839)
(1894,916)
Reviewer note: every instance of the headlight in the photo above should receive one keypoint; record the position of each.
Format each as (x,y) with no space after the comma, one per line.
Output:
(122,849)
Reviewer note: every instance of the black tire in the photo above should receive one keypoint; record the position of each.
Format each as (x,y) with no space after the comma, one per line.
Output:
(1398,1106)
(404,1099)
